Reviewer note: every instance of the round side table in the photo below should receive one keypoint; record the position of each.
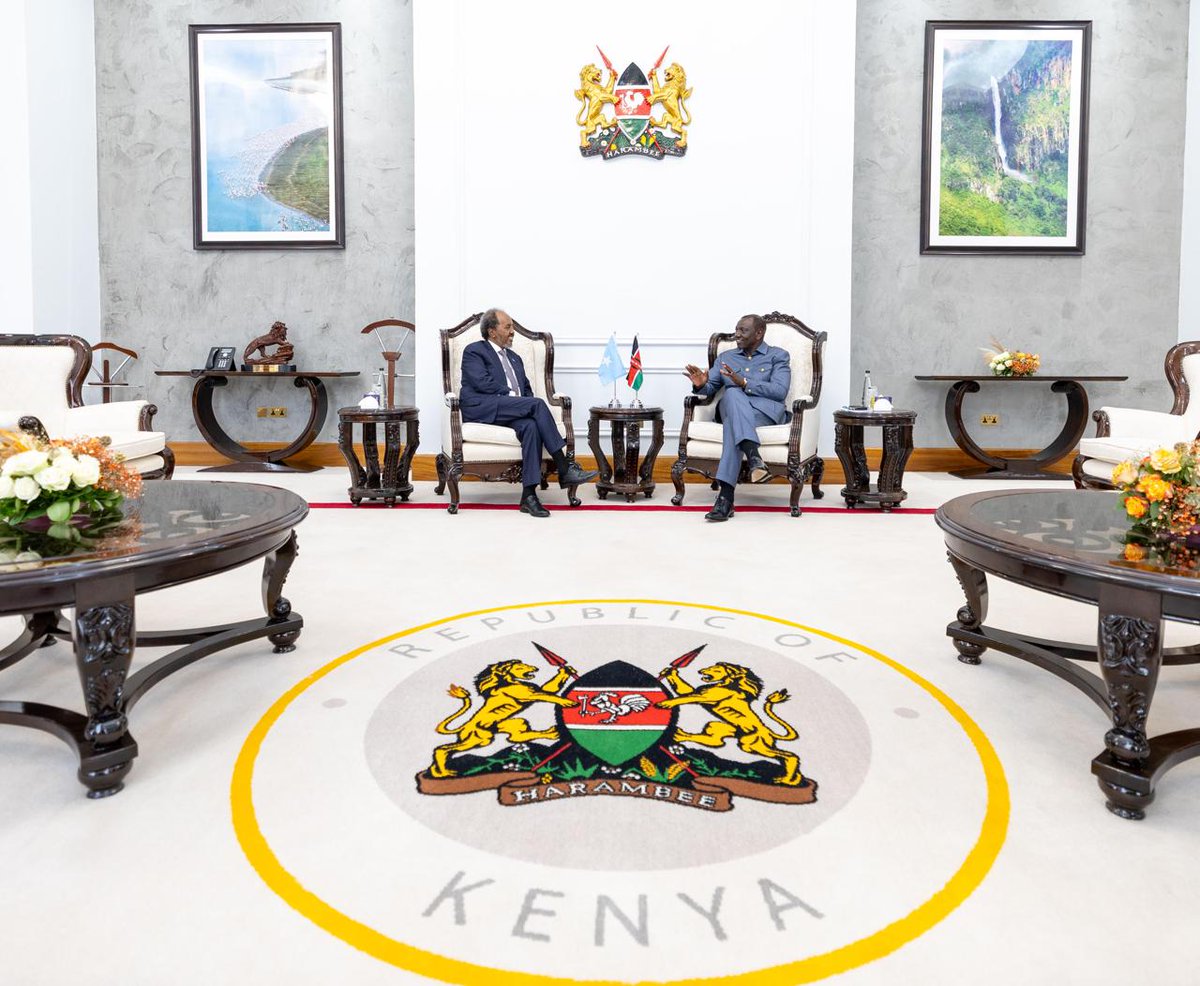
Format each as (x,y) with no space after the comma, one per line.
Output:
(897,428)
(370,481)
(623,475)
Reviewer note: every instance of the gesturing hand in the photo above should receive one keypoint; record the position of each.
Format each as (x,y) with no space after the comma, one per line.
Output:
(698,377)
(736,378)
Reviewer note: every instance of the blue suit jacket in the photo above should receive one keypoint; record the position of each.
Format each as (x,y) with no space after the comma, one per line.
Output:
(484,383)
(768,373)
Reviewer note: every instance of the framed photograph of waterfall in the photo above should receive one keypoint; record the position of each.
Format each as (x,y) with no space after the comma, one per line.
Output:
(267,136)
(1004,156)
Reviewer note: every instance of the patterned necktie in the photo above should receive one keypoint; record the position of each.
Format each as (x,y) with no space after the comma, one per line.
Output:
(510,374)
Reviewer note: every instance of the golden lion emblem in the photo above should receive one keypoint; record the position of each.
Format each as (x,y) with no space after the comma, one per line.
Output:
(671,96)
(726,694)
(593,96)
(507,691)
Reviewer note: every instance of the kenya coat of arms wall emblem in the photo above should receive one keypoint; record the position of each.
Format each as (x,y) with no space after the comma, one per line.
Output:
(631,99)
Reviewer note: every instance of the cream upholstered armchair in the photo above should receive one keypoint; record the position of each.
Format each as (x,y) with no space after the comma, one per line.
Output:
(1131,433)
(789,451)
(493,452)
(41,376)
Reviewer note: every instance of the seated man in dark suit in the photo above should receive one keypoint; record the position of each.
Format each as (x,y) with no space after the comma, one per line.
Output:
(496,391)
(755,378)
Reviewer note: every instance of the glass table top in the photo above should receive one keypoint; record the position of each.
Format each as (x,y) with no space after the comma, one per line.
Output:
(171,514)
(1086,527)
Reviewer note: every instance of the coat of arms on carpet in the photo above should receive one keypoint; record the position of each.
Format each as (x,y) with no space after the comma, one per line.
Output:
(617,734)
(617,116)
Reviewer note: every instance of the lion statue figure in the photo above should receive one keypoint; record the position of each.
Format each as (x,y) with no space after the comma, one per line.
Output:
(507,691)
(671,96)
(726,694)
(594,97)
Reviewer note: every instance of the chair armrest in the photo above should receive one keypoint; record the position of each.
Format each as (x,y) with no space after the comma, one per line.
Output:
(451,401)
(1131,421)
(698,400)
(805,403)
(100,419)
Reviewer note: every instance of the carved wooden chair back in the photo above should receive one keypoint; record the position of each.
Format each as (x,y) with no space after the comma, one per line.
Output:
(1182,367)
(536,350)
(42,375)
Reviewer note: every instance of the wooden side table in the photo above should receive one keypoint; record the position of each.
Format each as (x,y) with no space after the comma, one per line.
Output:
(370,481)
(623,475)
(897,447)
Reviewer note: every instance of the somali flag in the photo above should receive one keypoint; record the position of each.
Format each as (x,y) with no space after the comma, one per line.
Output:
(611,368)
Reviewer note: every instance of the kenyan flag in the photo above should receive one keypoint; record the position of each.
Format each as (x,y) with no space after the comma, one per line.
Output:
(634,378)
(617,718)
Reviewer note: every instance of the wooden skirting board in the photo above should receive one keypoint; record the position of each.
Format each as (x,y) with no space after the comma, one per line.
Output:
(327,454)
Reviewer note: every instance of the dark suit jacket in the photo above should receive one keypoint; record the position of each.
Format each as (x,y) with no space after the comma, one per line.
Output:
(484,384)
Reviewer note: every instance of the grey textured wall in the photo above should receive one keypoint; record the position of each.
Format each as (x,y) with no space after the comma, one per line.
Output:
(170,302)
(1114,310)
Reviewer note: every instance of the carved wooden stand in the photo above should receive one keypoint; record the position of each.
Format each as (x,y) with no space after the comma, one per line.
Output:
(370,481)
(623,475)
(897,447)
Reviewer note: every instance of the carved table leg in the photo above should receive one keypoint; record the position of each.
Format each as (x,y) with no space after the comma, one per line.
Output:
(275,573)
(848,444)
(602,464)
(1130,654)
(412,442)
(972,615)
(104,643)
(633,448)
(346,446)
(646,473)
(897,447)
(371,455)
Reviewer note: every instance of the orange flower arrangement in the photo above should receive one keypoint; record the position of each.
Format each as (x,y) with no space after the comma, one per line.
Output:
(1011,363)
(1161,498)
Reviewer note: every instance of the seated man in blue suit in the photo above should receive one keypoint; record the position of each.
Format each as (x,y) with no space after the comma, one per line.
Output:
(496,391)
(755,378)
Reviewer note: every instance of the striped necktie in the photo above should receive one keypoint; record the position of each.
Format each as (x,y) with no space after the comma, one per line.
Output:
(509,373)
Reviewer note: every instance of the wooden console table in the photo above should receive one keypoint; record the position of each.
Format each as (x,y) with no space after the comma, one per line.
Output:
(623,476)
(370,481)
(248,460)
(1033,467)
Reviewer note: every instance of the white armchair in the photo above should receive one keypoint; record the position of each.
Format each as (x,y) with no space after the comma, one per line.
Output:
(789,451)
(1132,433)
(493,452)
(41,376)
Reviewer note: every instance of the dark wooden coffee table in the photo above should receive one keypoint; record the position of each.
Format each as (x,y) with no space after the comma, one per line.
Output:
(897,427)
(1033,466)
(179,532)
(1069,543)
(623,475)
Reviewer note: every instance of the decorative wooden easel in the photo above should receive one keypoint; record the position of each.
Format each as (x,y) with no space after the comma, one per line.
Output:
(390,356)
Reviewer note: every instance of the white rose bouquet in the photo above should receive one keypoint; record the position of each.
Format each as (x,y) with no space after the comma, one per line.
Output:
(1010,362)
(50,482)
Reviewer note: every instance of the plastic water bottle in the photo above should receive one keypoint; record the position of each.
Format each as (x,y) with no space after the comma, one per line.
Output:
(868,391)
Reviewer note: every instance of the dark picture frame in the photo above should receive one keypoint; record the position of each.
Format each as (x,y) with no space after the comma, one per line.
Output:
(1005,137)
(267,159)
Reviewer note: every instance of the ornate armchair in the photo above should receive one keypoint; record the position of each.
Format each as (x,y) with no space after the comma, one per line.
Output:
(492,452)
(41,376)
(1131,433)
(789,451)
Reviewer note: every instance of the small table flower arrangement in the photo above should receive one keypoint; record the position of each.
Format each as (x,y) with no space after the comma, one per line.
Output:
(60,486)
(1161,498)
(1011,363)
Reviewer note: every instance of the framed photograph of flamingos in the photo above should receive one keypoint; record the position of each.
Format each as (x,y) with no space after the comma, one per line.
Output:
(1004,153)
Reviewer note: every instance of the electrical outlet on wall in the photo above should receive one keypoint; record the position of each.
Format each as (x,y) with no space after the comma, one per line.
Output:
(989,419)
(272,412)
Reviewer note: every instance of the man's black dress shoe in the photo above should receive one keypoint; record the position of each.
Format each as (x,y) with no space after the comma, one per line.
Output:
(758,470)
(721,510)
(533,506)
(575,474)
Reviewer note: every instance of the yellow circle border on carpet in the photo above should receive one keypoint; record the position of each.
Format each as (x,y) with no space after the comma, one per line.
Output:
(957,889)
